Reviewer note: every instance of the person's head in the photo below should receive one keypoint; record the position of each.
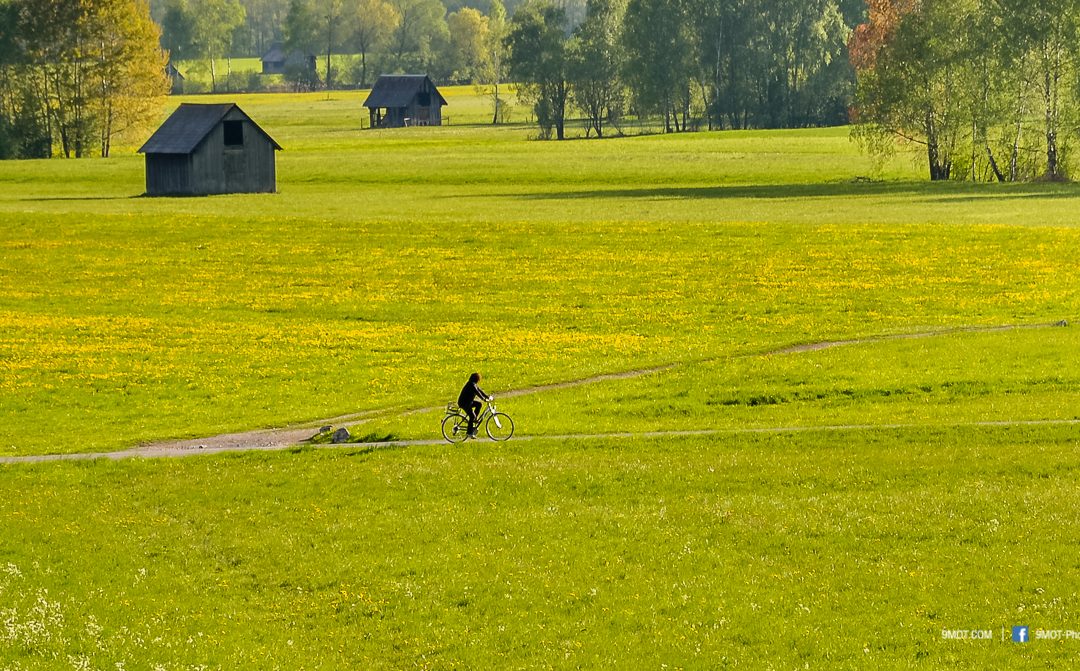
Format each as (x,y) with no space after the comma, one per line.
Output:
(475,377)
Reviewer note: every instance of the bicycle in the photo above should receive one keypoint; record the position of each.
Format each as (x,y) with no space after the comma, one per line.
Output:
(455,426)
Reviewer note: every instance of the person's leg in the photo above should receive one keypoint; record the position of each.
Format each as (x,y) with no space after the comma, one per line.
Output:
(474,414)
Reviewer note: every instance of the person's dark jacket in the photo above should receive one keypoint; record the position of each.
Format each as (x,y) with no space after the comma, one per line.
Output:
(469,393)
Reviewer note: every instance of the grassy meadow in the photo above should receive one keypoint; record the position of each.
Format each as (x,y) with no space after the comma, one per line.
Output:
(393,263)
(832,551)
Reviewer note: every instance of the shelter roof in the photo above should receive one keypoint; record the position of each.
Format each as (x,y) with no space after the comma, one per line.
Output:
(189,125)
(276,54)
(399,90)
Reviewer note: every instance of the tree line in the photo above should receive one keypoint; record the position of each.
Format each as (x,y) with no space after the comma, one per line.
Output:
(75,74)
(690,63)
(990,89)
(717,63)
(381,35)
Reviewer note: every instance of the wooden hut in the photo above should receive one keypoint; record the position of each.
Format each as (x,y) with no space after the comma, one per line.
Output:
(404,100)
(273,61)
(208,149)
(277,61)
(176,79)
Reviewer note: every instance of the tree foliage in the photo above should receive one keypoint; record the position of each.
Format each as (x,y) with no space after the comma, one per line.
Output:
(539,42)
(373,21)
(596,58)
(496,61)
(420,38)
(986,86)
(215,21)
(76,74)
(468,30)
(659,66)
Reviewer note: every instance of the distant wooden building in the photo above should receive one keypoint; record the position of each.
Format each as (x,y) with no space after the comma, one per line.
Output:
(176,79)
(277,60)
(209,149)
(404,100)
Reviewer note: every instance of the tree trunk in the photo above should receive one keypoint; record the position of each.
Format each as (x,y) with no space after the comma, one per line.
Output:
(1014,155)
(78,110)
(938,170)
(993,165)
(974,154)
(1051,131)
(560,112)
(329,49)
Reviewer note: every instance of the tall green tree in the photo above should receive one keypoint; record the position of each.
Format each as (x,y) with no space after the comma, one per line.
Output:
(968,79)
(24,119)
(806,36)
(540,62)
(302,32)
(178,30)
(596,61)
(262,25)
(373,22)
(215,21)
(336,28)
(90,69)
(420,36)
(660,59)
(496,61)
(128,69)
(1049,29)
(913,90)
(467,47)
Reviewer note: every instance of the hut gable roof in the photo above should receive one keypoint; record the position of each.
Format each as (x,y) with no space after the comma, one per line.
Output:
(189,125)
(399,90)
(275,55)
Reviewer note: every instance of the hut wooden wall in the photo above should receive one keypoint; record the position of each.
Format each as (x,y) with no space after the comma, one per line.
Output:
(416,114)
(394,117)
(249,168)
(168,174)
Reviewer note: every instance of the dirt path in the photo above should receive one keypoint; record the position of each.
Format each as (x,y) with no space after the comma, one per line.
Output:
(282,438)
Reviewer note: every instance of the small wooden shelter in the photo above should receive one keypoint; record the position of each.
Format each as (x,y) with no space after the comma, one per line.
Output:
(404,100)
(209,149)
(176,79)
(277,60)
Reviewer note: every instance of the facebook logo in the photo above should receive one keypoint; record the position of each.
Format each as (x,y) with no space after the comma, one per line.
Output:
(1020,635)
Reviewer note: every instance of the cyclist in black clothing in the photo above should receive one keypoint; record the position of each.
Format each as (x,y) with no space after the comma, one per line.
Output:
(467,401)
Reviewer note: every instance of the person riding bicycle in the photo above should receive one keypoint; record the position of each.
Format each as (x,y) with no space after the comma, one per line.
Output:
(468,403)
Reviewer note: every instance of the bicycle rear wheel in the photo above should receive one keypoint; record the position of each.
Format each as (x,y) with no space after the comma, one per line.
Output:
(455,428)
(499,426)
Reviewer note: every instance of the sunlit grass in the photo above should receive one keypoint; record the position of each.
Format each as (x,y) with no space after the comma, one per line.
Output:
(393,263)
(841,550)
(945,380)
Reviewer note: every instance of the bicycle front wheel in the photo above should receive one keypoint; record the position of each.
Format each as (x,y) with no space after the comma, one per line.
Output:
(455,428)
(499,426)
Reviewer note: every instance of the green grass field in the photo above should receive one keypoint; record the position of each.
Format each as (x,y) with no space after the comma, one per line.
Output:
(392,263)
